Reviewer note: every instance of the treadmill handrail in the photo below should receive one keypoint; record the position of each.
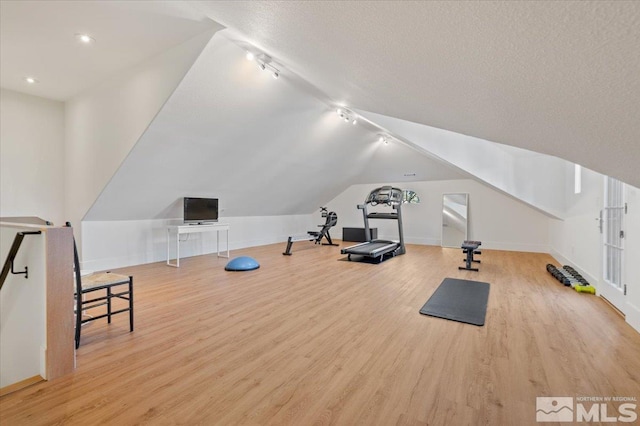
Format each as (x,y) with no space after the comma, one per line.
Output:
(382,215)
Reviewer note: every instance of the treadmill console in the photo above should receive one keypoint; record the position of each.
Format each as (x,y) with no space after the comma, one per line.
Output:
(385,195)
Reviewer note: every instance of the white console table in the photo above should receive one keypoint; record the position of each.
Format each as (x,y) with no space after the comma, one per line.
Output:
(194,229)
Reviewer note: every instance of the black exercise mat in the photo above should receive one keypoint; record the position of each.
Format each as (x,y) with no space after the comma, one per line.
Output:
(459,300)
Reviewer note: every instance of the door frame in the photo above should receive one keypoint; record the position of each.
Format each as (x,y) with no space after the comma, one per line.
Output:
(608,290)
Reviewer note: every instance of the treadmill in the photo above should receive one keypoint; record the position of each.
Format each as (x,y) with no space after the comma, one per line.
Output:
(379,250)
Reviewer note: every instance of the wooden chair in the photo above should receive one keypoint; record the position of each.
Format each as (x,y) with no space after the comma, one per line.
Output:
(88,295)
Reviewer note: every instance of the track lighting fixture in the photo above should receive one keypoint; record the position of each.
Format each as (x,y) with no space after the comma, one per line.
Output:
(384,139)
(264,63)
(347,116)
(266,66)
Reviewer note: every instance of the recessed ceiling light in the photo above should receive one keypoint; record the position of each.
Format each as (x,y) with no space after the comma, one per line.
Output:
(31,80)
(85,38)
(250,56)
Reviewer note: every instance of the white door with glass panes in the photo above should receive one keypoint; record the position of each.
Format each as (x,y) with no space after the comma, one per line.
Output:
(612,218)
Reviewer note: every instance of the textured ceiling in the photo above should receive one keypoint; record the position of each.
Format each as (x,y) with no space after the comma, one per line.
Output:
(559,78)
(554,77)
(37,38)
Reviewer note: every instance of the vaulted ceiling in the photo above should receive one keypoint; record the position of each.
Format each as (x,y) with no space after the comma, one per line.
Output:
(559,78)
(263,146)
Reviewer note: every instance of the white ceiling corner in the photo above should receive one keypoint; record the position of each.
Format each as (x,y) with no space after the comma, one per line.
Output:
(37,38)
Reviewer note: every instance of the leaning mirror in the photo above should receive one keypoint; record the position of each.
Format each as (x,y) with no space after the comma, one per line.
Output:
(454,219)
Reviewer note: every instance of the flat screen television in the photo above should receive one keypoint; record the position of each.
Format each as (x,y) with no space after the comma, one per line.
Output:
(200,210)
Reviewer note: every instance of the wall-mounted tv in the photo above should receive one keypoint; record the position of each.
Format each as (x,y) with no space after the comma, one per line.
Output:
(200,210)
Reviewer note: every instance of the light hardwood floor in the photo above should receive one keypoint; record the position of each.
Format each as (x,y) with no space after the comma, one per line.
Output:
(311,339)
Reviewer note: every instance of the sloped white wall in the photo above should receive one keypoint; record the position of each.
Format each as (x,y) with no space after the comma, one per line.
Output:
(526,175)
(497,220)
(103,123)
(32,160)
(264,147)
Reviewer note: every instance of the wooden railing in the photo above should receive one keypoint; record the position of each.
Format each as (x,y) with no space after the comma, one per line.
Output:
(47,297)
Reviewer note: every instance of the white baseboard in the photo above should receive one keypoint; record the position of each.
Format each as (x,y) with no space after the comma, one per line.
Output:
(565,261)
(631,312)
(104,264)
(632,316)
(160,255)
(491,245)
(508,246)
(422,241)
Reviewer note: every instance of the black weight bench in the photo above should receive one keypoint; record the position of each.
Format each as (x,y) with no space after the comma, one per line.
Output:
(470,248)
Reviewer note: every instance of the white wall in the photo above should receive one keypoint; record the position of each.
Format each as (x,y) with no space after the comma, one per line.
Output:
(31,157)
(529,176)
(104,123)
(497,220)
(112,244)
(22,310)
(577,241)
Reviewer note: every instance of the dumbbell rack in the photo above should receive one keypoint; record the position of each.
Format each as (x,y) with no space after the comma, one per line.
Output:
(571,278)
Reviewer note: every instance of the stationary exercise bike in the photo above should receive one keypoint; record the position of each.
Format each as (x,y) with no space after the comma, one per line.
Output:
(317,236)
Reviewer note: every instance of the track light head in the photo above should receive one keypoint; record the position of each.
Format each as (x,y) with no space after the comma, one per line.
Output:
(275,75)
(347,116)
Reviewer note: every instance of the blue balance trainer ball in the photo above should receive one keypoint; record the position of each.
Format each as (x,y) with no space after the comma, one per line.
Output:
(242,263)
